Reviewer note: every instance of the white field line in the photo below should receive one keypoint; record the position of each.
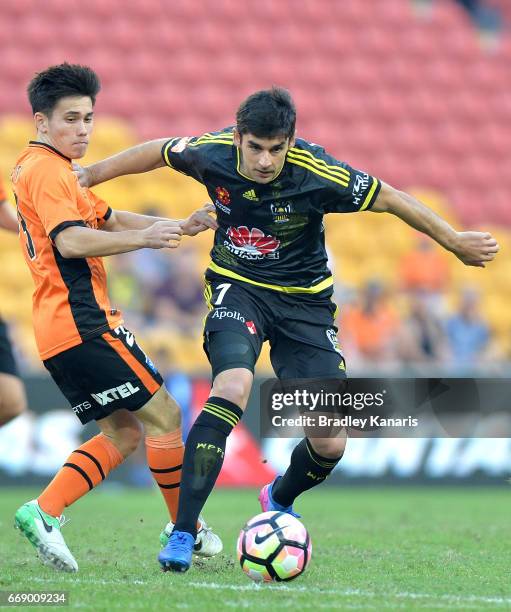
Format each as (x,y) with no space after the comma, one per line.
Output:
(254,588)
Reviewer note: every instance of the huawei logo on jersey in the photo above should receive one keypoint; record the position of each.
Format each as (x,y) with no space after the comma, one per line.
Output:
(252,241)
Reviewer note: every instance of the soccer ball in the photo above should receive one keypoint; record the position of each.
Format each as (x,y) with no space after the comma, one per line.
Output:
(274,546)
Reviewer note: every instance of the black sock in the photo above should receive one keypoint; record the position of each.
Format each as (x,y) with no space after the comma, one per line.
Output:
(203,459)
(306,470)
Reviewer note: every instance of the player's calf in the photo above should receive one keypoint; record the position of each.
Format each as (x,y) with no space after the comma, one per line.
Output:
(306,470)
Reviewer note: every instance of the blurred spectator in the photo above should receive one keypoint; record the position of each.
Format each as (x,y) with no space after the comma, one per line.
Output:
(421,338)
(487,18)
(179,296)
(125,289)
(425,269)
(368,327)
(467,332)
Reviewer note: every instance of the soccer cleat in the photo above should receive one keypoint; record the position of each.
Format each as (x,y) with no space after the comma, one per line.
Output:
(177,555)
(43,531)
(207,543)
(268,504)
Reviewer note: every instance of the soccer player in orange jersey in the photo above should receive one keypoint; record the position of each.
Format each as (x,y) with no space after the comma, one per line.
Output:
(65,230)
(13,400)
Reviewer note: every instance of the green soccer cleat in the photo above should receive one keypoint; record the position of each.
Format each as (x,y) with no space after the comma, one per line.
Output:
(207,543)
(43,531)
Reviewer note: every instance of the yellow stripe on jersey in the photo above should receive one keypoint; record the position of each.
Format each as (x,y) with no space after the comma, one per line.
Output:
(223,138)
(204,139)
(227,134)
(321,286)
(208,294)
(308,166)
(369,195)
(321,163)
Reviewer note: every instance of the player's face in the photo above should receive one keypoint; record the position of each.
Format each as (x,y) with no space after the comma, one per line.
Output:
(262,158)
(69,126)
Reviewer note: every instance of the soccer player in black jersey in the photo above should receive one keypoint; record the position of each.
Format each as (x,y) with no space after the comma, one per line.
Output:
(269,280)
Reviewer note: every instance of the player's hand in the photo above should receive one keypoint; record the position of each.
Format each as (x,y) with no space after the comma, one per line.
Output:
(162,235)
(475,248)
(83,175)
(199,221)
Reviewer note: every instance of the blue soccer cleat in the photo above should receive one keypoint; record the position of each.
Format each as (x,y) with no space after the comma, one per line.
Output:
(177,555)
(268,504)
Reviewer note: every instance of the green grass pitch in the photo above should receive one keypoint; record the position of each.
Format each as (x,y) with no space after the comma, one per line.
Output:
(373,549)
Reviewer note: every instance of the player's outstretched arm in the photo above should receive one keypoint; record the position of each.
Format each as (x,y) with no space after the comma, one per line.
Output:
(8,219)
(199,221)
(77,242)
(472,248)
(140,158)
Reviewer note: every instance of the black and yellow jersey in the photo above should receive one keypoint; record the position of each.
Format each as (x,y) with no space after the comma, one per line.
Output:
(272,235)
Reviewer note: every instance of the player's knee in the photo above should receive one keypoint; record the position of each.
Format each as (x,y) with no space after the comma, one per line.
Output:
(128,438)
(9,413)
(12,404)
(161,415)
(329,447)
(233,385)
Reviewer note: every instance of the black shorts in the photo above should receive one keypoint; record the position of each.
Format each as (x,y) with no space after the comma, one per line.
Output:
(299,327)
(105,374)
(7,361)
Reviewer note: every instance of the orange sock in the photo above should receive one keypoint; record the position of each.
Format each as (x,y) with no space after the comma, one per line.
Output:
(165,460)
(85,468)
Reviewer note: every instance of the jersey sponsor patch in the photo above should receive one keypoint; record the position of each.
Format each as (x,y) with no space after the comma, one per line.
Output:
(360,186)
(111,395)
(224,313)
(251,327)
(223,195)
(252,243)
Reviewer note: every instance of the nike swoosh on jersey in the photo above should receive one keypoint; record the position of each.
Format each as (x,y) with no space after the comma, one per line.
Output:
(259,540)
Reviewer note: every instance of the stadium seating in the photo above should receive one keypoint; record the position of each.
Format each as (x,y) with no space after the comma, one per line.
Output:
(408,96)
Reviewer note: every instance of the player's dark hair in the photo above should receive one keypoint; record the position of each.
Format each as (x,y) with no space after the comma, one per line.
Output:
(56,82)
(267,114)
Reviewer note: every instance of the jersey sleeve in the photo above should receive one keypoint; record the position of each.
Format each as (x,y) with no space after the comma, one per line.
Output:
(186,155)
(360,193)
(103,210)
(345,189)
(54,198)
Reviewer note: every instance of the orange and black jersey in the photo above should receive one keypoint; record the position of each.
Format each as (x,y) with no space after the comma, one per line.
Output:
(272,235)
(70,300)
